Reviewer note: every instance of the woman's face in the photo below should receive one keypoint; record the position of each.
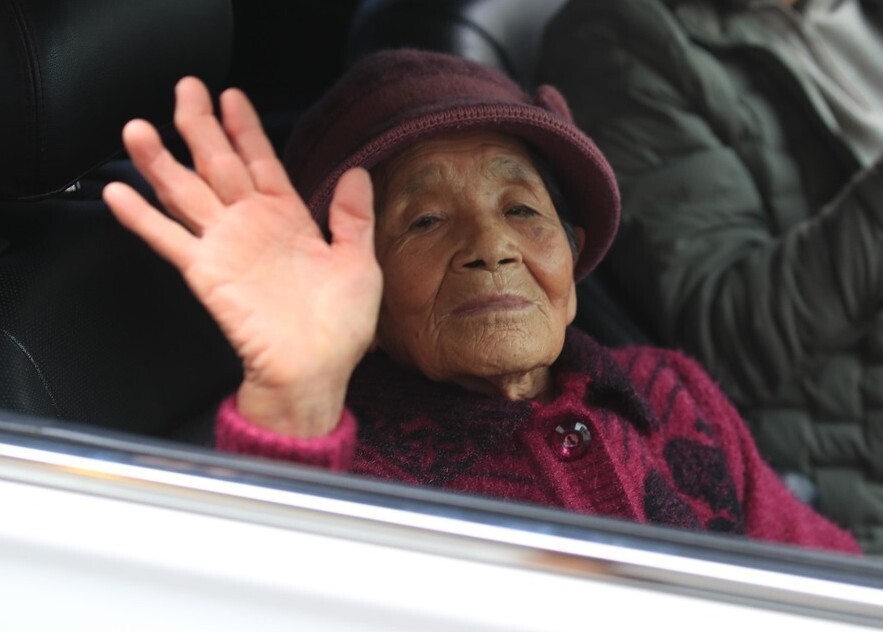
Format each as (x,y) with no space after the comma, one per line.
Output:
(478,271)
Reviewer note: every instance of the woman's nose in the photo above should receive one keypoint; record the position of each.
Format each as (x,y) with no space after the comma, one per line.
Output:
(486,245)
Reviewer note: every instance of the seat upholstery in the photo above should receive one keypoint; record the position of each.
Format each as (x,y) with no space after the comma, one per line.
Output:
(93,326)
(504,34)
(73,71)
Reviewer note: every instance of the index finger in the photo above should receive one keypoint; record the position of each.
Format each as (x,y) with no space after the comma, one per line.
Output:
(245,131)
(168,238)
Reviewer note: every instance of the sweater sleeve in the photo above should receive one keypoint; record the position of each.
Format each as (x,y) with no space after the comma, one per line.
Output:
(698,250)
(771,512)
(235,433)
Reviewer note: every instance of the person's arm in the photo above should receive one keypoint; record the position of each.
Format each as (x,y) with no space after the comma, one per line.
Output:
(770,511)
(697,249)
(335,450)
(299,311)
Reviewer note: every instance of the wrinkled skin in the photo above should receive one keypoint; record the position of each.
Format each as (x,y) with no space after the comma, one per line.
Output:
(477,267)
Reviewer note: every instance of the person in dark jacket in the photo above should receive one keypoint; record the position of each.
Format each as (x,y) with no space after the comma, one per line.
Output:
(464,290)
(746,137)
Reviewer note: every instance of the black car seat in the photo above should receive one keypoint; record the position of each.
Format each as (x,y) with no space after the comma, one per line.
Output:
(504,34)
(93,326)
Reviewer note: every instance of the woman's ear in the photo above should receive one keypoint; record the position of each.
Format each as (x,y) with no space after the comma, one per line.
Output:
(580,234)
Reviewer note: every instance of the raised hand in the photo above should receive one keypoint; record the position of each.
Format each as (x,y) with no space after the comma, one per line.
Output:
(299,311)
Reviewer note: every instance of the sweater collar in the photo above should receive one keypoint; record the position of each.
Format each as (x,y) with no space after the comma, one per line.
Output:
(381,388)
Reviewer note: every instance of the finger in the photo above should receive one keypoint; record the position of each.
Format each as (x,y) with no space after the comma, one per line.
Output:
(169,239)
(182,192)
(213,155)
(245,131)
(351,214)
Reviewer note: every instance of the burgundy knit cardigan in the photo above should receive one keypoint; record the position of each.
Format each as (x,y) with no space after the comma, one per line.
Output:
(638,433)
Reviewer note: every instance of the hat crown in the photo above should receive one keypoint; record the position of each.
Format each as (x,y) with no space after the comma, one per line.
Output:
(392,99)
(379,92)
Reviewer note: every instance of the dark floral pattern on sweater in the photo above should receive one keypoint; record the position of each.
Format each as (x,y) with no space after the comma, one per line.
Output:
(701,471)
(663,506)
(431,449)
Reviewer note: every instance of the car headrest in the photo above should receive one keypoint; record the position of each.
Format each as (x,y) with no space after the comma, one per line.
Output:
(72,72)
(504,34)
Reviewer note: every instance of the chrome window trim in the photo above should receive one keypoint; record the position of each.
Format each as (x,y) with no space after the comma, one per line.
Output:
(836,588)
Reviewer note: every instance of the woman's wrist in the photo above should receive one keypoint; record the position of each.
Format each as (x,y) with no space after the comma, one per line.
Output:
(309,408)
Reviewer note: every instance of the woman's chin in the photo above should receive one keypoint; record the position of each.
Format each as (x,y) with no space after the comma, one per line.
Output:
(479,348)
(502,355)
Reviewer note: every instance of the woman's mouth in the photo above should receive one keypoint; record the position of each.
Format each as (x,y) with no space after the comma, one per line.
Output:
(491,303)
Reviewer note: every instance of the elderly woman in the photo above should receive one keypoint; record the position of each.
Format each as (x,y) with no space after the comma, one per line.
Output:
(434,347)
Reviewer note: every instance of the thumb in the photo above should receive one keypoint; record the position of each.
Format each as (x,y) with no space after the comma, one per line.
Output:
(351,214)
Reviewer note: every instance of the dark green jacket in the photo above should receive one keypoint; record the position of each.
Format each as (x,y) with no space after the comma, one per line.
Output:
(750,237)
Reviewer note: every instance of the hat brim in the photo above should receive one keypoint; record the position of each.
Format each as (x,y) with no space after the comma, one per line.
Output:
(584,175)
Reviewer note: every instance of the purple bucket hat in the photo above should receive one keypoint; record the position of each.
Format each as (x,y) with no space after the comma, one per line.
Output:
(392,99)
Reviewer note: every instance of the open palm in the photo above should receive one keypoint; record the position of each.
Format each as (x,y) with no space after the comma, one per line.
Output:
(299,311)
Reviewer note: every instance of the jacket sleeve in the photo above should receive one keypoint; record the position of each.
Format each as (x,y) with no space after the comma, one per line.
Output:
(235,433)
(770,511)
(697,250)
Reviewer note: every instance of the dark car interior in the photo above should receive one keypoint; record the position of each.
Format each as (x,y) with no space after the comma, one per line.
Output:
(101,342)
(95,328)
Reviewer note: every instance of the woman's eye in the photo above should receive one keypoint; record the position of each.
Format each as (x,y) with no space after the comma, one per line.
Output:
(520,210)
(423,222)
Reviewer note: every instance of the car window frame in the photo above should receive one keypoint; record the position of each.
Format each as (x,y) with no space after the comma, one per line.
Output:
(159,472)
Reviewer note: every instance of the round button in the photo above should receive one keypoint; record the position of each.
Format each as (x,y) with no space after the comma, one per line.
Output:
(570,440)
